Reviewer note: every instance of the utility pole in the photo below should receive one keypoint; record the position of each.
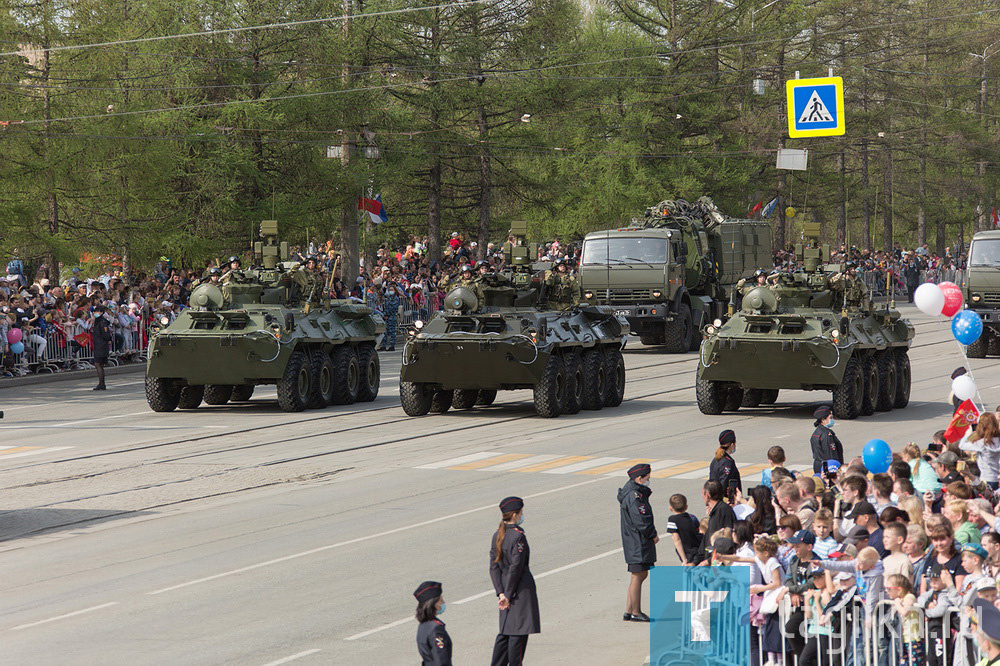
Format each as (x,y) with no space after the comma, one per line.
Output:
(350,249)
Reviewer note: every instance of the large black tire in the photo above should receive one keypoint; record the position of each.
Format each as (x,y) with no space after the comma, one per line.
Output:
(903,378)
(752,398)
(848,396)
(191,397)
(465,398)
(242,393)
(651,339)
(486,398)
(323,378)
(594,379)
(734,398)
(218,394)
(550,391)
(162,394)
(768,396)
(441,401)
(980,347)
(415,398)
(295,384)
(677,333)
(869,370)
(615,373)
(575,381)
(887,380)
(346,375)
(371,373)
(711,396)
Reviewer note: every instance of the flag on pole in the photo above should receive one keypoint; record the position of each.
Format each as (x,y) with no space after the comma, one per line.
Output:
(996,218)
(769,208)
(756,208)
(375,208)
(964,417)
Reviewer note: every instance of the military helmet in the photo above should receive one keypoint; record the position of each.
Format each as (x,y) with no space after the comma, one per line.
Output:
(849,265)
(482,263)
(214,271)
(236,259)
(465,267)
(561,261)
(759,272)
(312,259)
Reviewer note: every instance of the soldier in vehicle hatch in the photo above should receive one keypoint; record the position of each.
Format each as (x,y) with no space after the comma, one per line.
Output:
(758,279)
(235,272)
(563,288)
(468,280)
(849,285)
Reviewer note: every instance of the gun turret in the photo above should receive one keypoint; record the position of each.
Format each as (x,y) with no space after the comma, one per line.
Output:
(813,254)
(269,252)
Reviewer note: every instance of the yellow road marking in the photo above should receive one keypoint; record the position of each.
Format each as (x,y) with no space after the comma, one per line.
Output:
(558,462)
(478,464)
(753,469)
(17,449)
(614,467)
(678,469)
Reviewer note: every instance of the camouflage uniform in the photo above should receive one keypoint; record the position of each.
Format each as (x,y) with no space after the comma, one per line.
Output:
(853,288)
(473,284)
(563,290)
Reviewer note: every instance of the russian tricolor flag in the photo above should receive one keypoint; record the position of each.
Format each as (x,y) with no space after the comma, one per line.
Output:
(375,207)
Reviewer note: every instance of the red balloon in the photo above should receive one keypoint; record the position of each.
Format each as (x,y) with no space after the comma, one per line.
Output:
(953,300)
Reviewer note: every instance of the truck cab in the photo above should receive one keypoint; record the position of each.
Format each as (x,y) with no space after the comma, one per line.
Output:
(981,288)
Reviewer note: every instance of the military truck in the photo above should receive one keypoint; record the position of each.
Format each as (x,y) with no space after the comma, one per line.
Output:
(671,272)
(461,357)
(981,287)
(270,324)
(801,333)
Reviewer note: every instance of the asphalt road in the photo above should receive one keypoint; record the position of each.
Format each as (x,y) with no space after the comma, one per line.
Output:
(244,535)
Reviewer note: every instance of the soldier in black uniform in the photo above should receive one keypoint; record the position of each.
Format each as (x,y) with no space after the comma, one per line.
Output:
(433,641)
(824,442)
(723,468)
(639,537)
(514,585)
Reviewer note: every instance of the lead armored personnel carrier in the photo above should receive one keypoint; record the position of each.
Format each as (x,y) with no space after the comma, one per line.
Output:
(799,333)
(571,359)
(270,324)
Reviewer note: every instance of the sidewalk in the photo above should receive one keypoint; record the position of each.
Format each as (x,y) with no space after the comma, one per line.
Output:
(110,371)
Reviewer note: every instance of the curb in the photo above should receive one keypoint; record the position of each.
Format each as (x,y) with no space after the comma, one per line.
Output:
(28,380)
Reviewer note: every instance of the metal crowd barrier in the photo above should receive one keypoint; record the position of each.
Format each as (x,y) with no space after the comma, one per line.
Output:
(49,350)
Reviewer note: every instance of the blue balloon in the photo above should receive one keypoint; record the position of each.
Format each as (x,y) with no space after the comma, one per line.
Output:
(17,348)
(877,456)
(966,326)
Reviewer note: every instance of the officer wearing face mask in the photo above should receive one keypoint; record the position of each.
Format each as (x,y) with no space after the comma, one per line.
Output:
(517,597)
(824,442)
(639,537)
(433,641)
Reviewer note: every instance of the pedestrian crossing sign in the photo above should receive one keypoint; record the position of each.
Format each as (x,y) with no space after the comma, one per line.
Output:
(815,107)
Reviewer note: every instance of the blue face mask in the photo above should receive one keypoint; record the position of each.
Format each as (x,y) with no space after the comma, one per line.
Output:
(444,605)
(832,423)
(520,519)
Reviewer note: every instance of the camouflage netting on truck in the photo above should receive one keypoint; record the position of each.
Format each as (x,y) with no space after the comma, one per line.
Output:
(685,213)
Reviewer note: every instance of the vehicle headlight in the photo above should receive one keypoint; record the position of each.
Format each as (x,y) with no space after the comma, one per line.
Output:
(657,293)
(418,324)
(711,330)
(835,333)
(164,320)
(588,295)
(717,323)
(976,298)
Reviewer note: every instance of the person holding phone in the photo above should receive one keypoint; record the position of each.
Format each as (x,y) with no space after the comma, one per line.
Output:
(723,468)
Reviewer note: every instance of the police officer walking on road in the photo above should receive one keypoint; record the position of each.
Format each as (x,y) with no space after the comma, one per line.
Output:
(824,442)
(514,585)
(433,641)
(723,468)
(639,537)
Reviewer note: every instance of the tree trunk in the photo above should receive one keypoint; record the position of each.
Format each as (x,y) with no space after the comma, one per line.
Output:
(779,217)
(887,218)
(350,248)
(866,207)
(842,213)
(485,186)
(434,211)
(50,174)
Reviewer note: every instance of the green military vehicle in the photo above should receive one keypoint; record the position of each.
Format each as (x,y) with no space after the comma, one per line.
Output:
(803,332)
(981,288)
(462,356)
(671,272)
(266,325)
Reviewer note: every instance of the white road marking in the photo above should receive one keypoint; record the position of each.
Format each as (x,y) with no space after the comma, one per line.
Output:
(586,464)
(293,657)
(405,528)
(63,617)
(783,436)
(516,464)
(696,474)
(487,593)
(472,457)
(33,453)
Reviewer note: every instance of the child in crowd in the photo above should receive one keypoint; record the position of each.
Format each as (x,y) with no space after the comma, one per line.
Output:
(684,529)
(787,526)
(936,602)
(776,458)
(823,528)
(895,561)
(903,601)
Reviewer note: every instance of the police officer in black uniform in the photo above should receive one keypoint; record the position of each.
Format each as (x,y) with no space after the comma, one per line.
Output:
(639,537)
(723,468)
(824,442)
(433,641)
(987,632)
(514,585)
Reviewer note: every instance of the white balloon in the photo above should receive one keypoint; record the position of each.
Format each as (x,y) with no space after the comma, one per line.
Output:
(929,298)
(964,387)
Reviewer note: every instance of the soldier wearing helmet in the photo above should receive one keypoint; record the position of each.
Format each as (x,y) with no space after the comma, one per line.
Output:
(466,278)
(758,279)
(234,272)
(850,287)
(563,288)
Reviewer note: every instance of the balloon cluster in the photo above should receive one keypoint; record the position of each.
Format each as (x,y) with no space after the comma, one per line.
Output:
(14,338)
(946,299)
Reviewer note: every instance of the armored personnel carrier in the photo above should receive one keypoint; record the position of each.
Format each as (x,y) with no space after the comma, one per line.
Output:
(571,359)
(800,333)
(270,324)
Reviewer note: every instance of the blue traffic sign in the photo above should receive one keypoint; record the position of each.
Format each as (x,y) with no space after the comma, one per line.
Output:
(815,107)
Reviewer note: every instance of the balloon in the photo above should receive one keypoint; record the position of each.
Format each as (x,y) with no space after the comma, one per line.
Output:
(964,387)
(877,456)
(966,326)
(17,348)
(14,335)
(953,300)
(929,298)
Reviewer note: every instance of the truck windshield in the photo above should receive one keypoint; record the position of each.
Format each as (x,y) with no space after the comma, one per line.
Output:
(985,252)
(625,250)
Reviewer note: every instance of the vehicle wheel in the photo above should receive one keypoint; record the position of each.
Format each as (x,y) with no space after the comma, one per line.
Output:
(734,398)
(574,383)
(415,398)
(677,333)
(752,398)
(615,373)
(323,377)
(594,379)
(696,336)
(768,396)
(464,398)
(870,373)
(902,359)
(711,396)
(441,401)
(486,398)
(550,392)
(847,397)
(346,375)
(218,394)
(191,397)
(162,394)
(979,348)
(649,340)
(296,383)
(887,380)
(371,373)
(242,393)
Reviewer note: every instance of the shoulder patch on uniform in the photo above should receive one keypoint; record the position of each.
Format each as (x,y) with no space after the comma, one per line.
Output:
(637,494)
(642,509)
(440,642)
(520,546)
